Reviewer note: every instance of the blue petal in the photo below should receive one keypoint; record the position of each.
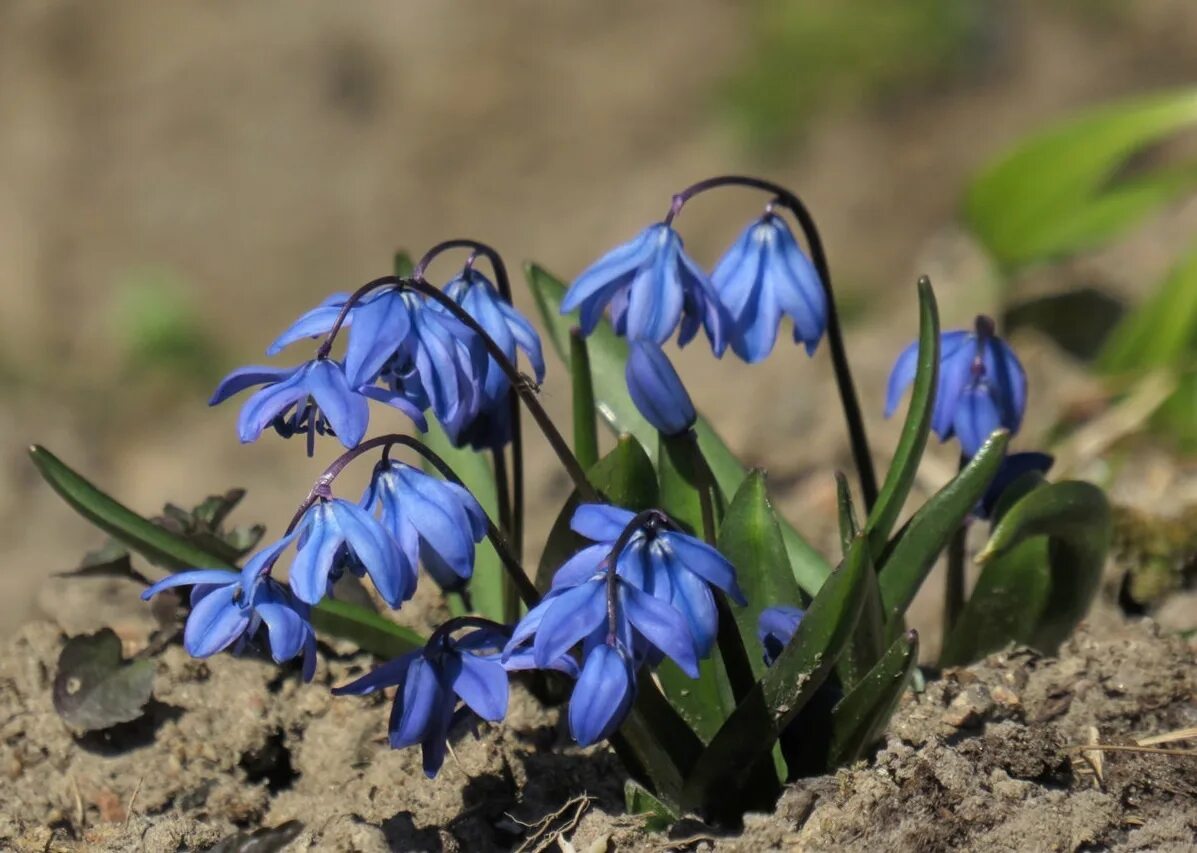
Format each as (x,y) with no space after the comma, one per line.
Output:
(977,416)
(522,659)
(318,321)
(581,567)
(657,390)
(901,377)
(417,705)
(1013,467)
(706,562)
(598,283)
(600,522)
(526,337)
(261,562)
(437,739)
(318,546)
(287,630)
(602,696)
(346,410)
(380,328)
(247,377)
(219,577)
(692,598)
(955,371)
(574,614)
(376,550)
(215,622)
(393,673)
(661,625)
(1004,372)
(264,406)
(656,297)
(530,624)
(775,628)
(481,683)
(797,288)
(396,400)
(444,526)
(701,302)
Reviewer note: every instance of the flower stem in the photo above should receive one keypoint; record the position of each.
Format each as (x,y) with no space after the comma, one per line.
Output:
(953,593)
(839,357)
(322,489)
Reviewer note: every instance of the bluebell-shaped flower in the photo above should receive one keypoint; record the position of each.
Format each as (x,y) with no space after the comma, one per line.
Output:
(433,521)
(652,287)
(657,390)
(511,331)
(764,276)
(313,398)
(670,565)
(431,682)
(775,628)
(228,608)
(604,694)
(982,386)
(335,534)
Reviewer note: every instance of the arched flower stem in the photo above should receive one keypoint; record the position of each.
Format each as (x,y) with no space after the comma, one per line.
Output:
(322,488)
(442,633)
(839,357)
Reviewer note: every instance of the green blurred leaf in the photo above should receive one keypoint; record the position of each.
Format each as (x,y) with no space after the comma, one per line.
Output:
(608,355)
(488,587)
(638,801)
(95,687)
(1079,321)
(747,737)
(1075,516)
(910,556)
(861,716)
(913,440)
(585,415)
(371,632)
(1059,191)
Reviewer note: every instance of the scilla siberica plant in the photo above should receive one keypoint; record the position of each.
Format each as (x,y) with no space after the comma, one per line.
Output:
(697,629)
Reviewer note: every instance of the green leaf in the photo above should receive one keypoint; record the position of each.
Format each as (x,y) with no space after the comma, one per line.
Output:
(747,737)
(916,428)
(627,479)
(1075,516)
(585,416)
(638,801)
(369,630)
(488,586)
(655,740)
(95,687)
(868,641)
(849,526)
(911,555)
(608,355)
(1004,607)
(681,478)
(1059,191)
(861,716)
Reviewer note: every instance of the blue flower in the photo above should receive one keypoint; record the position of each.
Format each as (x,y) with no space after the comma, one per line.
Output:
(668,564)
(229,607)
(491,425)
(335,534)
(763,276)
(982,386)
(775,629)
(656,389)
(652,287)
(603,695)
(431,682)
(1013,467)
(434,521)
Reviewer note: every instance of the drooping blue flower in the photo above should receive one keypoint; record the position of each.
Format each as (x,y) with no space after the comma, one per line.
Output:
(335,534)
(657,390)
(228,608)
(1012,468)
(652,286)
(603,695)
(313,398)
(672,566)
(982,386)
(433,521)
(431,682)
(775,628)
(763,276)
(490,427)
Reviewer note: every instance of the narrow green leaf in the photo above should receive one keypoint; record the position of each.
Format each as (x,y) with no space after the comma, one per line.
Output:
(608,355)
(911,555)
(585,416)
(751,540)
(638,801)
(1058,191)
(1075,516)
(488,584)
(370,631)
(849,526)
(749,734)
(861,716)
(916,428)
(868,641)
(1005,606)
(680,480)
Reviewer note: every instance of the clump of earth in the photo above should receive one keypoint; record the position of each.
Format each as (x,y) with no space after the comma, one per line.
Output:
(237,754)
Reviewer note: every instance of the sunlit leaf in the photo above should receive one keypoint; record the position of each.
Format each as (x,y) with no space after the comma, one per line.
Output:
(584,412)
(861,716)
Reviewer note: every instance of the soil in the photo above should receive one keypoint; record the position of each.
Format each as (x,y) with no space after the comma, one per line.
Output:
(984,759)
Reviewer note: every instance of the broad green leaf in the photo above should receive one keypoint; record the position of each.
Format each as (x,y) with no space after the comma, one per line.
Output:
(658,743)
(861,716)
(627,479)
(585,416)
(911,555)
(638,801)
(488,587)
(902,470)
(1004,607)
(608,355)
(681,475)
(370,631)
(747,737)
(1060,191)
(1075,516)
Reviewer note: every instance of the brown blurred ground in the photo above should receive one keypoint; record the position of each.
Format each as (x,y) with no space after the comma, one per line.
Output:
(262,155)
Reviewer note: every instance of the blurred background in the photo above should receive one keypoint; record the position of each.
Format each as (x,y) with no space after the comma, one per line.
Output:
(178,181)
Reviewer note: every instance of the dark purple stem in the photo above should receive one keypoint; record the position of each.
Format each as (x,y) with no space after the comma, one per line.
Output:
(648,519)
(441,634)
